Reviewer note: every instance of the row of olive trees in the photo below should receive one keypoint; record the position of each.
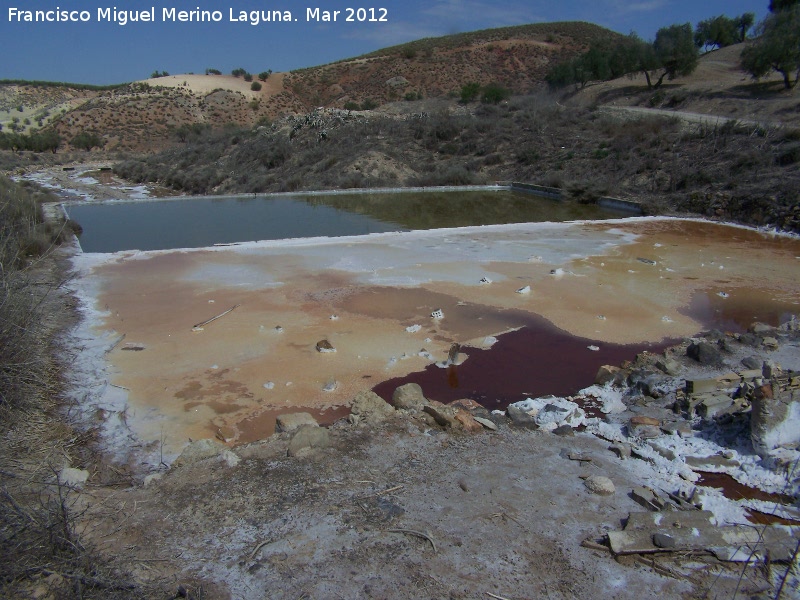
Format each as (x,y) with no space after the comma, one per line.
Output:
(672,54)
(675,50)
(48,141)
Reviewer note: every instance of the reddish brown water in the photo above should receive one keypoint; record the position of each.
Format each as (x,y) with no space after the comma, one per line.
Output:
(736,313)
(533,361)
(734,490)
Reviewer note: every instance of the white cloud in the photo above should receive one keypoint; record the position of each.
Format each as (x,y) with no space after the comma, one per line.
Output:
(647,6)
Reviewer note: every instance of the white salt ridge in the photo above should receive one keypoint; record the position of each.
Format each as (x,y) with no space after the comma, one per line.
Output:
(610,398)
(570,414)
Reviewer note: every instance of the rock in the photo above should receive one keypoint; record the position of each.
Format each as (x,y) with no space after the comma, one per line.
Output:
(598,484)
(489,424)
(292,421)
(760,328)
(467,421)
(770,342)
(370,407)
(225,434)
(793,324)
(704,353)
(682,429)
(664,451)
(669,366)
(644,427)
(647,382)
(621,450)
(306,437)
(520,418)
(607,374)
(774,418)
(73,478)
(443,415)
(325,346)
(662,540)
(749,339)
(469,405)
(647,498)
(751,362)
(409,397)
(564,431)
(398,81)
(770,369)
(149,480)
(203,450)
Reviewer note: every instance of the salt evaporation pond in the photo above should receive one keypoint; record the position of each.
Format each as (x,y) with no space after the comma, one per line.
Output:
(207,221)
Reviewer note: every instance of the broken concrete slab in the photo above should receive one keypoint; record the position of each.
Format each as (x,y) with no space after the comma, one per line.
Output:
(711,405)
(705,463)
(683,527)
(647,498)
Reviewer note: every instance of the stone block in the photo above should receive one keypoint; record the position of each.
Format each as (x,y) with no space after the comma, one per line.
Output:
(292,421)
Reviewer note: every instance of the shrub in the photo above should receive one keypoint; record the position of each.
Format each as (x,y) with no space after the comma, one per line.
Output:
(351,105)
(255,86)
(494,93)
(469,92)
(86,140)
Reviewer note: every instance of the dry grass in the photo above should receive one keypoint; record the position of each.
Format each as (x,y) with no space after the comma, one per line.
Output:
(744,173)
(41,550)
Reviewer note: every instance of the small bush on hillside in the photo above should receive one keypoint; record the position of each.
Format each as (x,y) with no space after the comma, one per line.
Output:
(255,86)
(494,93)
(469,92)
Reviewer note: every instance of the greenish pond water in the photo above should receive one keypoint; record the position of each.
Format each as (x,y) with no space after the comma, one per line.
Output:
(200,222)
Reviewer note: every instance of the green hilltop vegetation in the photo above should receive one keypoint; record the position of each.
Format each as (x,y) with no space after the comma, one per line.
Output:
(63,84)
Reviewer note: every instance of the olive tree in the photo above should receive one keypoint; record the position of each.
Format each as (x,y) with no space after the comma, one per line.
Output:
(777,48)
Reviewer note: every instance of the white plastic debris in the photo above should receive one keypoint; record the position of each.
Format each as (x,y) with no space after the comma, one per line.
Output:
(413,328)
(524,290)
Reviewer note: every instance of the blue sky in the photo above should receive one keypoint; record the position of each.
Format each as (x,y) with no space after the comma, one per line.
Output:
(106,52)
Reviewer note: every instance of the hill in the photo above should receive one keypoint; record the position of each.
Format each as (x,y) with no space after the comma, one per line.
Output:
(142,116)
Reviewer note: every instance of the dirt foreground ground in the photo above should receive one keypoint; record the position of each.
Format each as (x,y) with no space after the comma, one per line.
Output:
(395,506)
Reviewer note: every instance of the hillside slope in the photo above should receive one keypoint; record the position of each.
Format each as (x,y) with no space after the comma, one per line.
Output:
(144,115)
